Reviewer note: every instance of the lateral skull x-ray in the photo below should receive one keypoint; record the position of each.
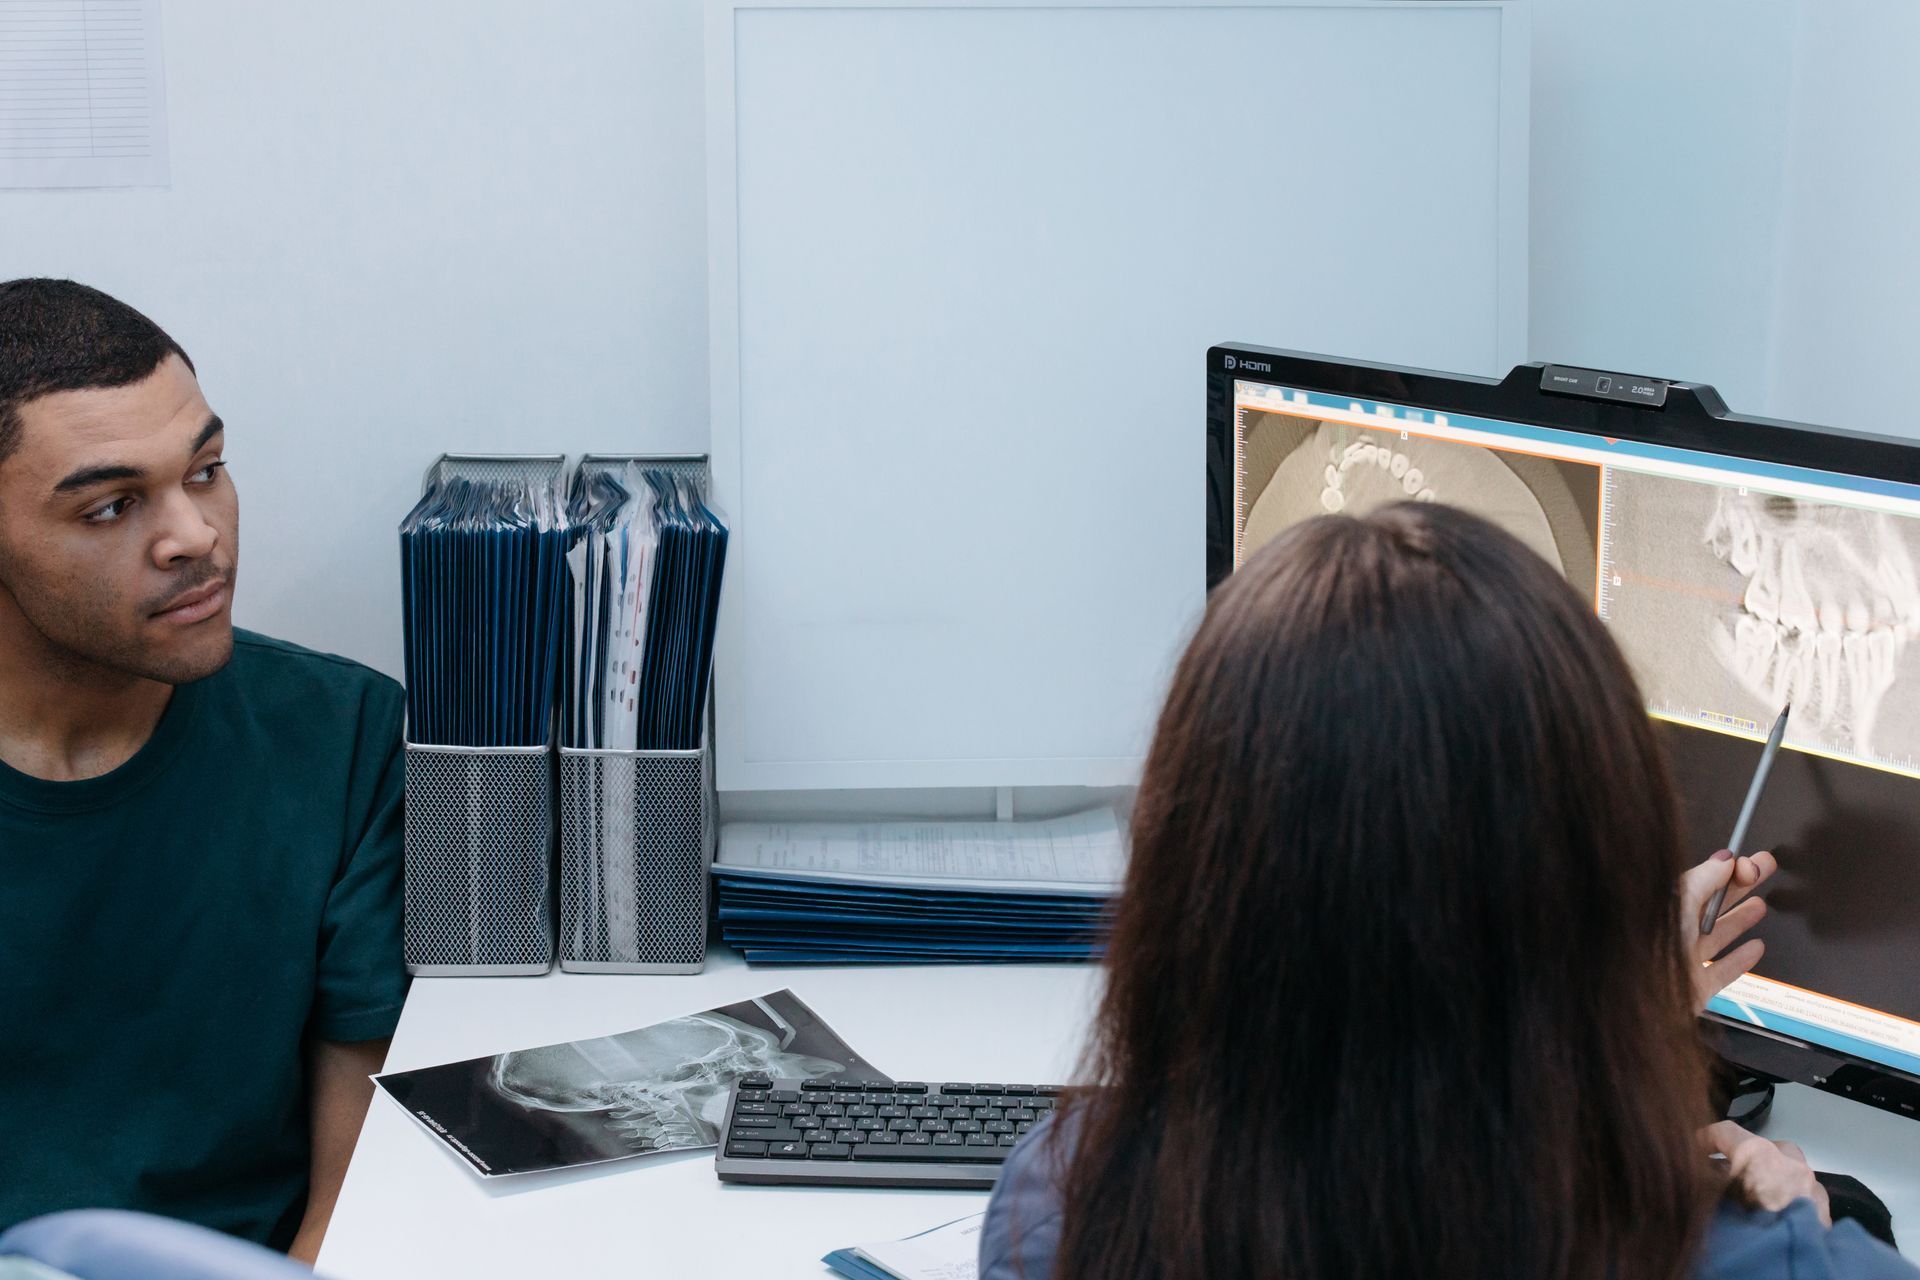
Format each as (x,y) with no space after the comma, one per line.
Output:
(662,1087)
(657,1088)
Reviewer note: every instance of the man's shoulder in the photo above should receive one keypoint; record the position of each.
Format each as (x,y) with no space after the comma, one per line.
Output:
(273,673)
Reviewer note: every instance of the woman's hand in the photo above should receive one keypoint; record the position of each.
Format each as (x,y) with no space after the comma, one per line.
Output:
(1712,971)
(1773,1174)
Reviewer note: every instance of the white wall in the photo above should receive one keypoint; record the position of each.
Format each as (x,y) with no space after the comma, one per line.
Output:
(1726,191)
(399,228)
(1659,164)
(1846,318)
(396,229)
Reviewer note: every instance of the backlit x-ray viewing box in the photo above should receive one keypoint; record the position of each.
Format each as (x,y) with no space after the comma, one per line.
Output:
(1742,564)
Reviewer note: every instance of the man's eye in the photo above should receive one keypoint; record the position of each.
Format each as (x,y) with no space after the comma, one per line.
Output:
(205,474)
(109,513)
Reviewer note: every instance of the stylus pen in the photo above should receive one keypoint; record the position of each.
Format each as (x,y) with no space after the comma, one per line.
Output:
(1711,916)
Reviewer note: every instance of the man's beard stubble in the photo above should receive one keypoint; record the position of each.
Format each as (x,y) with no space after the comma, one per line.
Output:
(76,648)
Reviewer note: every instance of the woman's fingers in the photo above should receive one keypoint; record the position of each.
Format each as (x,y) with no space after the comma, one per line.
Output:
(1711,979)
(1731,925)
(1698,883)
(1738,876)
(1750,872)
(1773,1174)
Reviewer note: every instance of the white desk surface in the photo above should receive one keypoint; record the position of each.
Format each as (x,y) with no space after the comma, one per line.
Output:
(411,1209)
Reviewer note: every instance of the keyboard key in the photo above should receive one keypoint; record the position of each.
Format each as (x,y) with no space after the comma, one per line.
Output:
(852,1135)
(909,1086)
(916,1139)
(989,1113)
(818,1086)
(956,1113)
(880,1086)
(966,1126)
(982,1140)
(1022,1113)
(845,1098)
(924,1113)
(989,1088)
(861,1111)
(903,1152)
(787,1150)
(746,1148)
(815,1137)
(996,1126)
(903,1126)
(882,1099)
(1047,1090)
(1018,1090)
(756,1109)
(756,1122)
(949,1139)
(919,1155)
(831,1151)
(1008,1139)
(869,1123)
(797,1109)
(895,1112)
(933,1126)
(783,1095)
(834,1124)
(825,1109)
(884,1138)
(1023,1126)
(803,1122)
(751,1095)
(756,1080)
(951,1087)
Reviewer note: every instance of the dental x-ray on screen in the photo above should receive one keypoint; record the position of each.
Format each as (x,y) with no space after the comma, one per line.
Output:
(1735,582)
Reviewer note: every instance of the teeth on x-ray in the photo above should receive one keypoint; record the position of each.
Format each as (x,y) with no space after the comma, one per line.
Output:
(1830,604)
(1363,453)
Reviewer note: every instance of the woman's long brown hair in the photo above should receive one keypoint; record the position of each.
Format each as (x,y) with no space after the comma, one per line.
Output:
(1397,986)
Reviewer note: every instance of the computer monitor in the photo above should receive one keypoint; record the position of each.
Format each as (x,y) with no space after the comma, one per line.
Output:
(1741,563)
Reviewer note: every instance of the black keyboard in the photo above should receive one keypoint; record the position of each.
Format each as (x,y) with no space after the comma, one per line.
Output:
(902,1134)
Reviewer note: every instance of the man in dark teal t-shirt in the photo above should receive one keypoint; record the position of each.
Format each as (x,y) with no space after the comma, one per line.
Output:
(199,828)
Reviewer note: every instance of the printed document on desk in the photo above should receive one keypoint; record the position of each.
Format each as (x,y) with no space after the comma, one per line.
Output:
(1082,854)
(950,1252)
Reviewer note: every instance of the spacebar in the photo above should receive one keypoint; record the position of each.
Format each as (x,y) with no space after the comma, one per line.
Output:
(931,1155)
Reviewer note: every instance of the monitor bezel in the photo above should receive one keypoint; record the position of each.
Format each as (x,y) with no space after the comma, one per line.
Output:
(1693,417)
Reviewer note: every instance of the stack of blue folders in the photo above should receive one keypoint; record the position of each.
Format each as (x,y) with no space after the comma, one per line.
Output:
(644,576)
(918,893)
(482,584)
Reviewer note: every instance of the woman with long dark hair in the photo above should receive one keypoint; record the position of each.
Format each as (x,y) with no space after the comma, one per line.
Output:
(1401,983)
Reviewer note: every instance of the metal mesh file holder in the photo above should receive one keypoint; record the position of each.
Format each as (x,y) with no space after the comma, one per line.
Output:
(479,860)
(480,824)
(636,843)
(637,833)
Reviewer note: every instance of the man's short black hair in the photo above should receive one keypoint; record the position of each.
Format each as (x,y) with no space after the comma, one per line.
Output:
(56,335)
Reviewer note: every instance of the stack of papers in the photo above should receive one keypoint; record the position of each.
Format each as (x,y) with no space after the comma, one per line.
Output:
(918,892)
(644,578)
(482,578)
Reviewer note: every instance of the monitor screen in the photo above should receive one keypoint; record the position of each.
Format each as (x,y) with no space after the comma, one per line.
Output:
(1735,584)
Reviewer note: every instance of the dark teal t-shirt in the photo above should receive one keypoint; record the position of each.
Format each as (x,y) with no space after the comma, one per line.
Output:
(173,933)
